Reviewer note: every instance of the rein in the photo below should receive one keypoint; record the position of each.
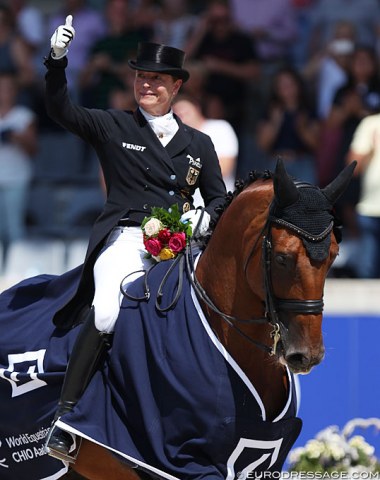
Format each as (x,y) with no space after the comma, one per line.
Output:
(273,304)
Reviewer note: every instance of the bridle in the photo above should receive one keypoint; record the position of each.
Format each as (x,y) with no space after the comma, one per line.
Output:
(273,304)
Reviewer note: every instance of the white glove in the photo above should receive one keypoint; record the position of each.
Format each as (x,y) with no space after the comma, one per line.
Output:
(61,38)
(194,217)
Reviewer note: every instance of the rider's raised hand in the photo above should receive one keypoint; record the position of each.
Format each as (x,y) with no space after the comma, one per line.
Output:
(62,38)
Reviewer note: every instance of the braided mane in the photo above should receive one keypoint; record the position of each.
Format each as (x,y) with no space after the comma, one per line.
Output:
(240,185)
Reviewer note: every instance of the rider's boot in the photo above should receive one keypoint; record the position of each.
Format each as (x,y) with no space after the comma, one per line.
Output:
(87,353)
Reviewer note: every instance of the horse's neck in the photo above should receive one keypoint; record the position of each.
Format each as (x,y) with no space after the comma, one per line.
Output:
(264,372)
(221,272)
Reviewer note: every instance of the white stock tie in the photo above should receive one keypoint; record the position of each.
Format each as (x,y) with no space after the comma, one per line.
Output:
(165,127)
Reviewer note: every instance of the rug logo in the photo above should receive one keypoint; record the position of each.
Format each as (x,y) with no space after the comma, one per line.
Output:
(24,381)
(3,461)
(270,449)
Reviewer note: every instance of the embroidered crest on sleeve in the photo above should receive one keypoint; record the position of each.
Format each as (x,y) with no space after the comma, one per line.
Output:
(195,166)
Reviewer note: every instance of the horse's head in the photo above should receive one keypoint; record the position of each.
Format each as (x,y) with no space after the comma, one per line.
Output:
(300,243)
(275,265)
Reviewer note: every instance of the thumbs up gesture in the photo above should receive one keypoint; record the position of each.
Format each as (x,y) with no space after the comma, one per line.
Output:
(61,38)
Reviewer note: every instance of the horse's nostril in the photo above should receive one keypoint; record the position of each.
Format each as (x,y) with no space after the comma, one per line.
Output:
(302,362)
(297,360)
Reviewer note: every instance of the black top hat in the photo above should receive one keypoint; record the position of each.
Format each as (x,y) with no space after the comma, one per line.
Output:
(153,57)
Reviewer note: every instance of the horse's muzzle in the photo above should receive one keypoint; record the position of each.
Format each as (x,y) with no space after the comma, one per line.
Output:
(303,361)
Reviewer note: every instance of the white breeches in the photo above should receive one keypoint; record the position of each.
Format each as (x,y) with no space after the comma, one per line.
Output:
(123,253)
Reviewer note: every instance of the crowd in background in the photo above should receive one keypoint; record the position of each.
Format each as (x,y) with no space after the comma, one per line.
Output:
(268,78)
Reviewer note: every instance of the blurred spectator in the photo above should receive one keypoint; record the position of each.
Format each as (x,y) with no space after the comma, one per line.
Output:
(29,22)
(14,52)
(363,80)
(363,14)
(220,131)
(272,26)
(357,98)
(196,85)
(326,70)
(174,24)
(229,60)
(300,48)
(107,67)
(289,127)
(365,148)
(18,141)
(89,26)
(145,13)
(120,99)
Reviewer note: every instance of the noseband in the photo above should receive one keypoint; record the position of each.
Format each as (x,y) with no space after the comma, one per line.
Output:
(273,304)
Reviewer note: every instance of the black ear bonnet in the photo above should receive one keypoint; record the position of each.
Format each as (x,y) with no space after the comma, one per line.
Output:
(313,213)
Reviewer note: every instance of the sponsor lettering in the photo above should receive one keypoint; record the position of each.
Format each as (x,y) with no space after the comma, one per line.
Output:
(24,447)
(132,146)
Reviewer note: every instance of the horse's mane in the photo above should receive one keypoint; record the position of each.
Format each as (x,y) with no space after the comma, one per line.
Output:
(240,185)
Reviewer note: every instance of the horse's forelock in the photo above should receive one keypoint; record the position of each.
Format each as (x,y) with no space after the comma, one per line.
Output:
(240,186)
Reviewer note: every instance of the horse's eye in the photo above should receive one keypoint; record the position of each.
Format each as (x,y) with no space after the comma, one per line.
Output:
(282,260)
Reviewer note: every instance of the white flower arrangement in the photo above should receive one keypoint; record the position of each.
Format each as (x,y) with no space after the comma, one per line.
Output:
(333,450)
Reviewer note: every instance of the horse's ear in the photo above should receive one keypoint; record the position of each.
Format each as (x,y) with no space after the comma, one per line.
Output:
(285,191)
(336,188)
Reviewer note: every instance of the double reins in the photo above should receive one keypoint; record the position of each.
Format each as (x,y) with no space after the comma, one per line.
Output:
(273,304)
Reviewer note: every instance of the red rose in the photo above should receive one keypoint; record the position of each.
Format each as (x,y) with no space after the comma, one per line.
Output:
(153,246)
(177,242)
(164,235)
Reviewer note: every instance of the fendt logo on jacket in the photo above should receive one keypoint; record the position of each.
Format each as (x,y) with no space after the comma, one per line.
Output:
(132,146)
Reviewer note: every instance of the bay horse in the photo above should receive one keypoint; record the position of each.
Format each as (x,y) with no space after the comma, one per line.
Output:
(259,283)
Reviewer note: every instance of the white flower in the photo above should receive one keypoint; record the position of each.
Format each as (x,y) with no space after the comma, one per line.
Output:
(315,448)
(152,227)
(337,449)
(295,455)
(359,443)
(336,452)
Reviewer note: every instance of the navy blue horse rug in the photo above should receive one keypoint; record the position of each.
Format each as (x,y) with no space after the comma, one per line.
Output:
(169,398)
(33,359)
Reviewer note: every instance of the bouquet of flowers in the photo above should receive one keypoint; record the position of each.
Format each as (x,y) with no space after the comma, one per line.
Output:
(333,450)
(164,233)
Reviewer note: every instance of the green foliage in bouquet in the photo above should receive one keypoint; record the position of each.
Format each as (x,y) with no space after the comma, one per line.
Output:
(170,219)
(164,234)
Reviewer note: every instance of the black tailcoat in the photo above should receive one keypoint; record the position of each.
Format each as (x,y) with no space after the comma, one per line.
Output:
(139,172)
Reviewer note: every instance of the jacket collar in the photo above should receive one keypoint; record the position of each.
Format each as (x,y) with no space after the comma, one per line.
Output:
(179,142)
